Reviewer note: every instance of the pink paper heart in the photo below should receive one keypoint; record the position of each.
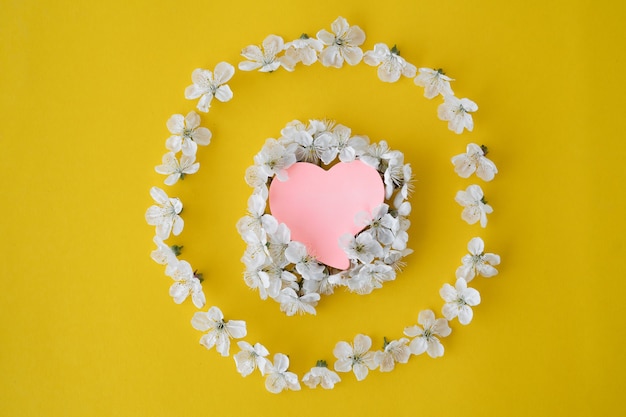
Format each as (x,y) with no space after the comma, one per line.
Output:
(319,206)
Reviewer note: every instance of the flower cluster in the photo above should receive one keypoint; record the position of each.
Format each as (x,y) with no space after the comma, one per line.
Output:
(282,269)
(186,135)
(342,44)
(475,207)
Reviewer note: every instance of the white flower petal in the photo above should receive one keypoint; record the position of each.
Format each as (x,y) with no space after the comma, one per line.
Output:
(223,93)
(223,72)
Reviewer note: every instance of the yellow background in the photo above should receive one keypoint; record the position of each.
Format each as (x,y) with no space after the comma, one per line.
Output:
(87,327)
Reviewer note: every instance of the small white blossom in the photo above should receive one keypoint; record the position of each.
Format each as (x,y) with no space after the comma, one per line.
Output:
(398,175)
(306,265)
(257,221)
(426,338)
(363,248)
(459,301)
(394,351)
(186,283)
(186,134)
(163,254)
(250,358)
(274,159)
(475,207)
(278,378)
(321,375)
(367,278)
(378,154)
(291,303)
(176,170)
(311,149)
(477,262)
(219,332)
(349,147)
(322,287)
(303,50)
(266,59)
(207,84)
(355,357)
(474,160)
(390,64)
(165,215)
(267,279)
(457,113)
(342,44)
(255,177)
(393,258)
(402,236)
(435,82)
(381,225)
(278,241)
(257,254)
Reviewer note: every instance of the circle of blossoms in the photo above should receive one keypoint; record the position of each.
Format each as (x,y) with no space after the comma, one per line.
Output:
(377,252)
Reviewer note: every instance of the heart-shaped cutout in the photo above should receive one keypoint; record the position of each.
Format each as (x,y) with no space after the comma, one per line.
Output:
(320,206)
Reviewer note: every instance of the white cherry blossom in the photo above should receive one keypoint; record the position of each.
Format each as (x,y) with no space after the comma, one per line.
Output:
(435,82)
(278,377)
(323,287)
(380,224)
(378,155)
(394,351)
(267,279)
(390,64)
(186,134)
(292,303)
(250,358)
(274,159)
(163,254)
(321,375)
(474,160)
(367,278)
(311,149)
(342,44)
(278,241)
(398,175)
(363,247)
(394,258)
(459,301)
(257,221)
(257,254)
(477,262)
(207,84)
(355,357)
(186,283)
(175,169)
(304,49)
(402,236)
(457,113)
(425,338)
(349,147)
(256,178)
(165,214)
(219,332)
(306,265)
(266,59)
(474,206)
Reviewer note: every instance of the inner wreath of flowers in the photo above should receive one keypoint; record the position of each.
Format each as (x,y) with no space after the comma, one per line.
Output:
(331,50)
(283,269)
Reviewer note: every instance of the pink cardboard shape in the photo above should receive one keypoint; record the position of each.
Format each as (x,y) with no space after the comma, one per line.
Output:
(319,206)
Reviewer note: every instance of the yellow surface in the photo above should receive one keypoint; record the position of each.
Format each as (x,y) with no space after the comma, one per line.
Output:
(87,327)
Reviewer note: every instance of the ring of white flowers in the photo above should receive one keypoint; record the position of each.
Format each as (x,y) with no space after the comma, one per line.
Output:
(332,50)
(282,269)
